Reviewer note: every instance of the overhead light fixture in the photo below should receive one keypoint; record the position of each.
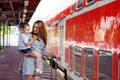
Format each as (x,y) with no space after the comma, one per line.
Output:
(24,15)
(24,10)
(26,3)
(23,19)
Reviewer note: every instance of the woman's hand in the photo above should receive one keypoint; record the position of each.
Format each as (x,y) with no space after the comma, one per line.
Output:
(56,56)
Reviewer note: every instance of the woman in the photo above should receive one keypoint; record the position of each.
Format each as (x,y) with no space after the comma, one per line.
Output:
(38,45)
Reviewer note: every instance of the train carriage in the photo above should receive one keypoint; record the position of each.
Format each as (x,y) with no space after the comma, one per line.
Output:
(86,36)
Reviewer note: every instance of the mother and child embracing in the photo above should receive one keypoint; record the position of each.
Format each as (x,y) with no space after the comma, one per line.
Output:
(32,46)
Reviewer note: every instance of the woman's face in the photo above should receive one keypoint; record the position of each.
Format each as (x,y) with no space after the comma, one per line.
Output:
(35,28)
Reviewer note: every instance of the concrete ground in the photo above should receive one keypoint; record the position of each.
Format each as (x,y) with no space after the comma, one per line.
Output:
(10,63)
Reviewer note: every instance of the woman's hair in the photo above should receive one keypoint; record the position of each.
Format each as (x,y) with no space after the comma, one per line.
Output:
(42,31)
(23,24)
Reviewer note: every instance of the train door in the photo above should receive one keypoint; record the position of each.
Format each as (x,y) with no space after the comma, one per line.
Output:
(48,43)
(61,42)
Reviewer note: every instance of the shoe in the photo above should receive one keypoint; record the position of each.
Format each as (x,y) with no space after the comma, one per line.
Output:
(37,72)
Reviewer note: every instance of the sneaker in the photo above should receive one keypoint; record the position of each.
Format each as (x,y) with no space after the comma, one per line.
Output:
(38,72)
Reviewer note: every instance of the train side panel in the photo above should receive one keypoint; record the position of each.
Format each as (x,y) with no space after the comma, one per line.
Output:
(90,41)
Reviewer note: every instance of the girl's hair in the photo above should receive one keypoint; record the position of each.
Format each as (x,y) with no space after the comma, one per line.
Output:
(23,24)
(42,31)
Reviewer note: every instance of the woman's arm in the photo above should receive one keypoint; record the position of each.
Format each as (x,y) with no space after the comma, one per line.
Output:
(49,54)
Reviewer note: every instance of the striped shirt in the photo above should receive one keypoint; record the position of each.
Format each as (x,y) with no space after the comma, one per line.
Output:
(29,62)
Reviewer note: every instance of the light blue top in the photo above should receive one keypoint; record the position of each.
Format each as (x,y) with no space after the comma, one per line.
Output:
(38,45)
(23,38)
(29,62)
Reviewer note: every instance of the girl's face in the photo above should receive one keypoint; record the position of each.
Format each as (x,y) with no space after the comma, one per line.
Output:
(35,28)
(26,29)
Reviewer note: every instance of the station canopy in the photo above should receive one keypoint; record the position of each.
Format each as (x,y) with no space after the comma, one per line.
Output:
(15,11)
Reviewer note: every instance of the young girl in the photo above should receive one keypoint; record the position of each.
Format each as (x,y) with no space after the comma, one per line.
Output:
(24,45)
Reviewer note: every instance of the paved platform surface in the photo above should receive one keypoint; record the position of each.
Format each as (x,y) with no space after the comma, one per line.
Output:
(9,64)
(10,61)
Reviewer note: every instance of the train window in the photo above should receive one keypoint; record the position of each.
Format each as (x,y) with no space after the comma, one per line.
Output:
(89,60)
(88,2)
(77,60)
(79,4)
(104,65)
(72,8)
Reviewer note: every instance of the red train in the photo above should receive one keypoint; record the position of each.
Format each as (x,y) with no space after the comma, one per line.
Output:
(87,37)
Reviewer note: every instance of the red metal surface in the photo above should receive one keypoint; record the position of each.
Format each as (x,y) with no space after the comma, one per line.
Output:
(83,64)
(96,28)
(66,55)
(95,65)
(115,66)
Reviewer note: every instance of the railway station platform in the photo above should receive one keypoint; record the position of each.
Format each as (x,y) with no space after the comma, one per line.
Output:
(10,64)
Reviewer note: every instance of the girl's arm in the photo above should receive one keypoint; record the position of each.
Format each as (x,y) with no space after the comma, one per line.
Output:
(26,41)
(34,37)
(30,42)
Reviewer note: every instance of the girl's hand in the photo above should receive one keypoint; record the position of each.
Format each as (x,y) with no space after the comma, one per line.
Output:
(34,37)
